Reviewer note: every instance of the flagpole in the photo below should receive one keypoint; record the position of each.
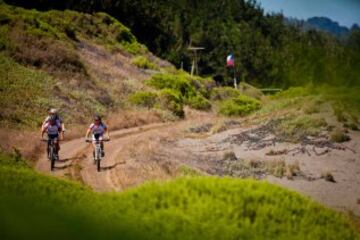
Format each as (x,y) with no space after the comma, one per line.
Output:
(235,84)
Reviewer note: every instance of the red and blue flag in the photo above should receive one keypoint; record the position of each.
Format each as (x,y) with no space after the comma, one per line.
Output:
(230,61)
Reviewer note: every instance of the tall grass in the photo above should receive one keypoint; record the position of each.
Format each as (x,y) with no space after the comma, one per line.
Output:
(34,205)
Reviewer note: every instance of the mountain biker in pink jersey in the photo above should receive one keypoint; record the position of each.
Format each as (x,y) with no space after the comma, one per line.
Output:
(53,112)
(54,132)
(97,129)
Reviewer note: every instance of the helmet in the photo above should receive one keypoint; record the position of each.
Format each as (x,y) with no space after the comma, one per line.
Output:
(52,119)
(53,110)
(97,118)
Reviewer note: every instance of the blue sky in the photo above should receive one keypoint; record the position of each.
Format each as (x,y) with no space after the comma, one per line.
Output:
(345,12)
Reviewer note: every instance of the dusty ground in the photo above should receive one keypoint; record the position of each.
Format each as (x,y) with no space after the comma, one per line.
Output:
(160,152)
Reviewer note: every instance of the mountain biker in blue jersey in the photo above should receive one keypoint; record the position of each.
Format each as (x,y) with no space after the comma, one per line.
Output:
(54,132)
(98,129)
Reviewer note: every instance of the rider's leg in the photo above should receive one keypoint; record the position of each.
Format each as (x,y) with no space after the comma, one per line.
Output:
(57,145)
(102,146)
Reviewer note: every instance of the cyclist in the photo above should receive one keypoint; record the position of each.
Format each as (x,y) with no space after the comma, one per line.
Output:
(53,112)
(54,132)
(98,129)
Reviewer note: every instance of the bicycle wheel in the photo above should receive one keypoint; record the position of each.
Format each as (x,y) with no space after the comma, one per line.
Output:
(98,158)
(52,158)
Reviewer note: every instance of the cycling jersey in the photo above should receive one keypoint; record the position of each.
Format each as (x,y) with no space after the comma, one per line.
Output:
(98,129)
(52,130)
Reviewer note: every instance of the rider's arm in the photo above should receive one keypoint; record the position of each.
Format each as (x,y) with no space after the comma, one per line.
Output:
(43,130)
(44,123)
(87,133)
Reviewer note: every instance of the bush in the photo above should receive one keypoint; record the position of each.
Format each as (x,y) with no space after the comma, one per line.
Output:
(143,99)
(199,102)
(223,93)
(143,62)
(177,82)
(339,136)
(239,106)
(250,91)
(171,101)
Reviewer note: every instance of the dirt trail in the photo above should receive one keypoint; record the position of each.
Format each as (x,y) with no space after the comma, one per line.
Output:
(158,152)
(76,159)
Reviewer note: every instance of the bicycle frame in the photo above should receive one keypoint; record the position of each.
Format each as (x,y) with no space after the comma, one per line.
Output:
(97,151)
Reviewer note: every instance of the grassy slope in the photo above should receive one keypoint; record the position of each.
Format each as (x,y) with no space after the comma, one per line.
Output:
(40,59)
(34,205)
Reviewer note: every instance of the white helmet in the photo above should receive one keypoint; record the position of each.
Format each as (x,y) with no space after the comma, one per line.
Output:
(53,110)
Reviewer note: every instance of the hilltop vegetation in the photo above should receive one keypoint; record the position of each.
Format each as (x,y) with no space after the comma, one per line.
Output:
(267,51)
(45,63)
(191,208)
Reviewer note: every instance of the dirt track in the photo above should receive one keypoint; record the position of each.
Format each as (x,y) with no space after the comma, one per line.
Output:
(76,160)
(155,152)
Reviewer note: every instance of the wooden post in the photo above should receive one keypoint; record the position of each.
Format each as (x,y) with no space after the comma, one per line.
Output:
(194,66)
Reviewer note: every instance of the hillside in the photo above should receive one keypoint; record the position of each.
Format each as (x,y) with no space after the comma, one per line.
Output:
(188,156)
(168,28)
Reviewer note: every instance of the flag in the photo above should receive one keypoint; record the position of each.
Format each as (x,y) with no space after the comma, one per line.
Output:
(230,62)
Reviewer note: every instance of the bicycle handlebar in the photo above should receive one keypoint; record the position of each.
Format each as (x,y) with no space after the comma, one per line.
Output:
(91,140)
(45,140)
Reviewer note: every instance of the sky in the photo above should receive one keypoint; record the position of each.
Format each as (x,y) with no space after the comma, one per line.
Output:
(345,12)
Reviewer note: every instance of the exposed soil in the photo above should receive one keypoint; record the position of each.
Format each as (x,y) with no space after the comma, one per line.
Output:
(158,151)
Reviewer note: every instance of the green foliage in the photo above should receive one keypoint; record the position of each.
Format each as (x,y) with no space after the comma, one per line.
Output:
(22,90)
(250,90)
(143,62)
(213,208)
(170,100)
(267,51)
(13,160)
(339,136)
(143,99)
(239,106)
(223,93)
(177,82)
(189,90)
(199,102)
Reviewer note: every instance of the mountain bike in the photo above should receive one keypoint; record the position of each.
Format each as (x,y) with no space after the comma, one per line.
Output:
(97,151)
(51,152)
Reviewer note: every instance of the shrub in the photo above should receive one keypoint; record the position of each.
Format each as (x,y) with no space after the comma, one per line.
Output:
(171,101)
(250,91)
(199,102)
(239,106)
(339,136)
(143,99)
(143,62)
(177,82)
(223,93)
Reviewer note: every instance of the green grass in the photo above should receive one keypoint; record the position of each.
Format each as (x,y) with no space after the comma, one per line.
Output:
(24,94)
(297,127)
(40,65)
(239,106)
(143,99)
(37,206)
(143,62)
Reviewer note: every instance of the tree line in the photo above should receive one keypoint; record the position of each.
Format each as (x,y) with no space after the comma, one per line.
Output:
(267,51)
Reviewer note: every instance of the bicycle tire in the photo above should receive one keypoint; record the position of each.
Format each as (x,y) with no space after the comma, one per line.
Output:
(98,153)
(52,158)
